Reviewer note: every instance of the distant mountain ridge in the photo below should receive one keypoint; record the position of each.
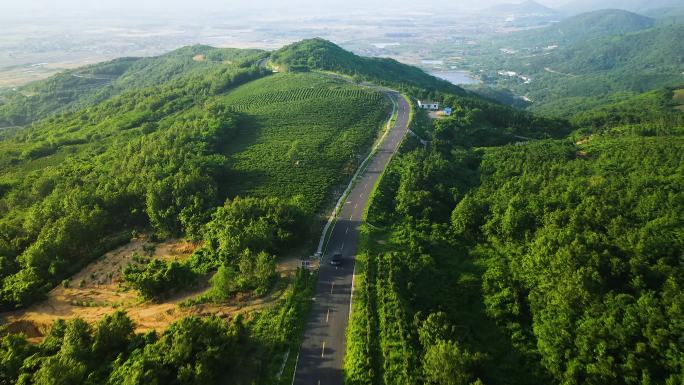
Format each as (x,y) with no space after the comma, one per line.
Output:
(526,7)
(579,6)
(580,28)
(606,22)
(587,59)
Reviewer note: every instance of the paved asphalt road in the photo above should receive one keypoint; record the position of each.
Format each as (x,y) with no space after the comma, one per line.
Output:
(322,352)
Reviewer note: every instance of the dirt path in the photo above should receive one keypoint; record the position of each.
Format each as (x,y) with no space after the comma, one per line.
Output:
(547,69)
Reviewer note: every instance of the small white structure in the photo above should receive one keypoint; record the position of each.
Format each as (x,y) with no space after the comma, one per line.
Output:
(448,111)
(428,105)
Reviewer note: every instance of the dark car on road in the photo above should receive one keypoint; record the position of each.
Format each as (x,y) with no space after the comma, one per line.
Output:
(336,259)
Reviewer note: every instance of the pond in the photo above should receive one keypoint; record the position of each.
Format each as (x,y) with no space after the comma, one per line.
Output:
(457,77)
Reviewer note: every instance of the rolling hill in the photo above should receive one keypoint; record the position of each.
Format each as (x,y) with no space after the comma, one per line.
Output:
(602,23)
(579,28)
(670,15)
(633,63)
(650,111)
(504,250)
(594,66)
(202,148)
(96,83)
(202,145)
(194,144)
(578,6)
(320,54)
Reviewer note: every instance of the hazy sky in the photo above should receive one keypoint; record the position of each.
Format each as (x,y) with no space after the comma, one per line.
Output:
(189,8)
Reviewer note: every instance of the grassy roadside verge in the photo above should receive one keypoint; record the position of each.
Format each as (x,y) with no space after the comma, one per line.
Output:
(297,309)
(361,364)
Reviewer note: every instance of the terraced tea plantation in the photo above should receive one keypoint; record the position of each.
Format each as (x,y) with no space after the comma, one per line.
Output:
(297,130)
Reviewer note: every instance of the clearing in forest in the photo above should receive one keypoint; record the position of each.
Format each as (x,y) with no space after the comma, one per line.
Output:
(678,98)
(98,290)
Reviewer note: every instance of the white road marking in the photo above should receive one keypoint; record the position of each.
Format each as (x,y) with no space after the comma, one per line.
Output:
(351,295)
(342,248)
(294,374)
(323,350)
(347,231)
(351,217)
(356,206)
(332,287)
(327,316)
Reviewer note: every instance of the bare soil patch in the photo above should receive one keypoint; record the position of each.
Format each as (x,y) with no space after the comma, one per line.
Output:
(97,291)
(678,98)
(199,57)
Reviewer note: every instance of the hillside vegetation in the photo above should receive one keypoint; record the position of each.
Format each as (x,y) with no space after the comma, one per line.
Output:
(165,157)
(656,112)
(579,28)
(630,5)
(93,84)
(319,54)
(552,261)
(600,58)
(505,247)
(201,144)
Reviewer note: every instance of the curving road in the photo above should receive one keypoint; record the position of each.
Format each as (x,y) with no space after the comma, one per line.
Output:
(322,352)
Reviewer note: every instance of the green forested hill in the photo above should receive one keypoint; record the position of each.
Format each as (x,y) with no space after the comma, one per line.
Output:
(592,72)
(651,111)
(553,261)
(668,15)
(211,148)
(640,6)
(597,24)
(643,53)
(504,249)
(166,156)
(224,153)
(323,55)
(174,139)
(93,84)
(579,28)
